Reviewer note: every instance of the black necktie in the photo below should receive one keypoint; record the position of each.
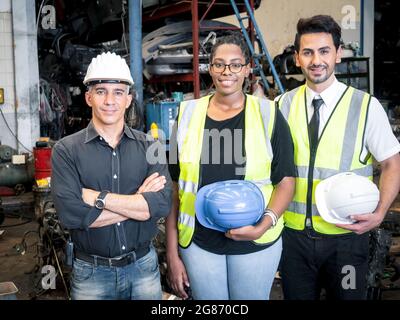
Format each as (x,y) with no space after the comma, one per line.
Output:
(314,123)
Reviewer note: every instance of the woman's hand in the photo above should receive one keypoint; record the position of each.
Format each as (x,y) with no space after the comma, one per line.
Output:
(250,233)
(177,276)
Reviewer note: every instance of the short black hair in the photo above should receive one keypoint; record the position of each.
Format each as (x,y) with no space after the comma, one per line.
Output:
(315,24)
(235,38)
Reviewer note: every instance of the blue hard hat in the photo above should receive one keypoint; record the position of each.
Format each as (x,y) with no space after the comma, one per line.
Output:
(229,204)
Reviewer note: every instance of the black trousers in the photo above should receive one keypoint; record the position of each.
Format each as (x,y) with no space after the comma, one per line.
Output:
(337,264)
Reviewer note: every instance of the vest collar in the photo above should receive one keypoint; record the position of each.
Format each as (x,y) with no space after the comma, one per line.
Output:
(328,95)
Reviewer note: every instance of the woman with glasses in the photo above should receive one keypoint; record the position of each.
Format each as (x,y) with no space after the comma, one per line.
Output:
(229,135)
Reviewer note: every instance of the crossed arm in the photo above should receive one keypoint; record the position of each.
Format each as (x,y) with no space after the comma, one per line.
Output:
(122,207)
(75,204)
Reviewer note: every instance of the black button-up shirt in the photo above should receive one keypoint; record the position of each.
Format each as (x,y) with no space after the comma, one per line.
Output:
(85,160)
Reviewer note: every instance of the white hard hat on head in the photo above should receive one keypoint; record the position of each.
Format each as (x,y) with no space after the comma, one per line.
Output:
(109,68)
(345,194)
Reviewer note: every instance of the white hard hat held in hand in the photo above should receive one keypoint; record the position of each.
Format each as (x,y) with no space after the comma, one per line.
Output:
(345,194)
(110,68)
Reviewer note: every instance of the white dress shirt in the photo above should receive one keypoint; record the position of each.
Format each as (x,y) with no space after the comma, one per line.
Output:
(379,139)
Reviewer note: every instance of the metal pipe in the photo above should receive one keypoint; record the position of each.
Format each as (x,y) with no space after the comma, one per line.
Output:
(195,36)
(135,49)
(362,28)
(252,39)
(15,80)
(205,13)
(249,44)
(269,59)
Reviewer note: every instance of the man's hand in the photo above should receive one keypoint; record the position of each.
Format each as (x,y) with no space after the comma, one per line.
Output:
(89,196)
(153,183)
(365,222)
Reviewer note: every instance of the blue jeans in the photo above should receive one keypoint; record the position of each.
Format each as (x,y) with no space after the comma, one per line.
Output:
(231,277)
(139,280)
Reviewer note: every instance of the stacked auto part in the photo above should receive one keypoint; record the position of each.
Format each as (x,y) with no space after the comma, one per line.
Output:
(169,49)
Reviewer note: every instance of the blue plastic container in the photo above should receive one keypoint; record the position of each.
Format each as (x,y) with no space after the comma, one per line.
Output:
(164,114)
(177,96)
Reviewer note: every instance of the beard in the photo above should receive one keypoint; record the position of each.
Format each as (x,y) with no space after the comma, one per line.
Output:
(317,79)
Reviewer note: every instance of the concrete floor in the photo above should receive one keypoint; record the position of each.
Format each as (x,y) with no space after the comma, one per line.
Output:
(18,265)
(20,268)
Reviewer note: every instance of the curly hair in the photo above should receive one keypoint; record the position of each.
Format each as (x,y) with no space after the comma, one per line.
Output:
(235,38)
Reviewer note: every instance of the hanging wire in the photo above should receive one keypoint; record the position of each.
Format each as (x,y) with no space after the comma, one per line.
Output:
(39,13)
(5,121)
(123,15)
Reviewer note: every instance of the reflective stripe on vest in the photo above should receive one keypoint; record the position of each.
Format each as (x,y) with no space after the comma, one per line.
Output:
(259,124)
(188,186)
(323,173)
(339,150)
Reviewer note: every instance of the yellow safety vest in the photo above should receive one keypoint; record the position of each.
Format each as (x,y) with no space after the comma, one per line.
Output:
(339,150)
(259,124)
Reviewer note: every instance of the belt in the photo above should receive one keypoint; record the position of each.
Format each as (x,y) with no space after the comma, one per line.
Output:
(121,261)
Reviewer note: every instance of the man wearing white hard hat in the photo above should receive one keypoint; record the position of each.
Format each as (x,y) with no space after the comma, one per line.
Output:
(335,128)
(108,195)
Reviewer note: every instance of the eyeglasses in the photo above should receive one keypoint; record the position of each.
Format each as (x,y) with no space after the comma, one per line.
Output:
(233,67)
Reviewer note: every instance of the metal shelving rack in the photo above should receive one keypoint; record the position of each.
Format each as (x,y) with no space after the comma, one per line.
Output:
(196,9)
(354,71)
